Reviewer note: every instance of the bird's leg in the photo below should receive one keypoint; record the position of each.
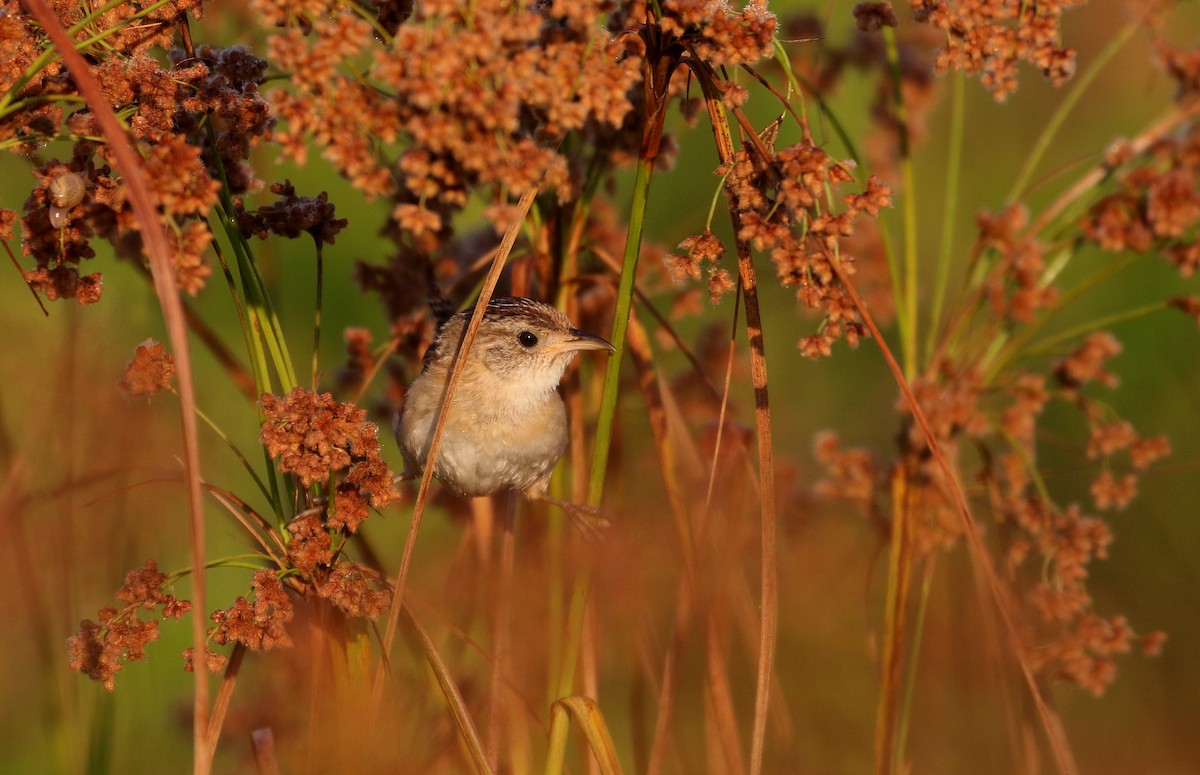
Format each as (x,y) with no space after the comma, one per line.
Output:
(588,519)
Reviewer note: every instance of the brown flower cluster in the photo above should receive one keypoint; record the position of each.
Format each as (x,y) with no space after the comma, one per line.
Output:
(7,219)
(132,27)
(1184,66)
(311,546)
(122,33)
(1073,643)
(850,474)
(314,437)
(1048,549)
(223,89)
(1086,363)
(1019,419)
(20,46)
(291,216)
(355,589)
(523,78)
(60,249)
(1015,285)
(872,17)
(150,371)
(717,34)
(1156,205)
(259,626)
(783,206)
(1086,652)
(185,118)
(1113,490)
(950,398)
(990,37)
(99,648)
(1056,546)
(180,186)
(700,248)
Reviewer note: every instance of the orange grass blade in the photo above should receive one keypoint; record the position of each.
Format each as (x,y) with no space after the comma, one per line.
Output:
(462,717)
(896,618)
(263,743)
(671,448)
(591,721)
(224,694)
(659,748)
(652,392)
(158,254)
(720,698)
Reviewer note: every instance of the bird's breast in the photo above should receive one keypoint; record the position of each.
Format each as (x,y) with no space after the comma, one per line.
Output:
(491,443)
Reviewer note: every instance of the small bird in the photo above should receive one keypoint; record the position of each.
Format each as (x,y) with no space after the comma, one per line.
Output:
(507,425)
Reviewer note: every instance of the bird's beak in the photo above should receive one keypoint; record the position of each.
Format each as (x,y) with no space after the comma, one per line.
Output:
(582,341)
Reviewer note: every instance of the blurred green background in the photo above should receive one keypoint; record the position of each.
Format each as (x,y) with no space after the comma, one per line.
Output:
(91,486)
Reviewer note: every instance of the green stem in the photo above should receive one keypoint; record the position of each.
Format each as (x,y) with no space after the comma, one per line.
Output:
(908,293)
(612,376)
(261,313)
(657,75)
(608,410)
(785,63)
(237,452)
(570,659)
(1066,106)
(949,208)
(910,678)
(232,561)
(994,365)
(251,311)
(1049,343)
(316,354)
(258,365)
(796,82)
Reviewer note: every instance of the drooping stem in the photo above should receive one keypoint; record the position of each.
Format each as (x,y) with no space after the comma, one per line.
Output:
(158,252)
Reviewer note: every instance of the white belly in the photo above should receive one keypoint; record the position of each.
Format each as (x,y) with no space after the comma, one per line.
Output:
(485,455)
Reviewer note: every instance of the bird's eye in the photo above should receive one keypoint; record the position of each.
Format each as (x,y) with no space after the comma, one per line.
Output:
(527,338)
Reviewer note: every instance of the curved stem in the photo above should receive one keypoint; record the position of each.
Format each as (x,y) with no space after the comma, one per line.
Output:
(159,254)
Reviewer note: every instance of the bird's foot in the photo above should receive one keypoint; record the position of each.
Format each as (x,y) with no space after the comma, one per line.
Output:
(588,519)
